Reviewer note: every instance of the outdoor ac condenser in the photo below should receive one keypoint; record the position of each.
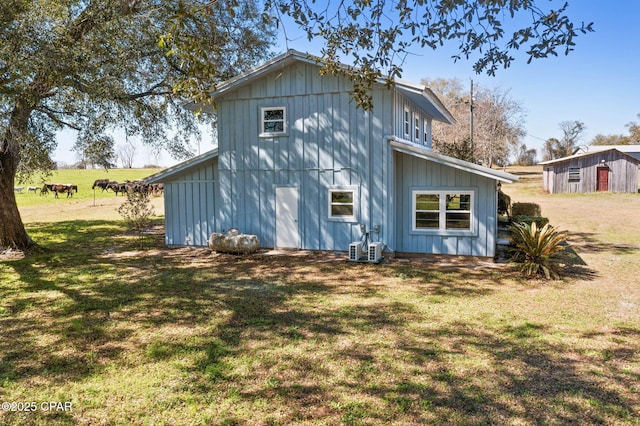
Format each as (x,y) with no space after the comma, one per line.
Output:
(354,251)
(374,252)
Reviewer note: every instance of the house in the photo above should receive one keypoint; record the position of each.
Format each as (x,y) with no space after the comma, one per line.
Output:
(607,170)
(298,165)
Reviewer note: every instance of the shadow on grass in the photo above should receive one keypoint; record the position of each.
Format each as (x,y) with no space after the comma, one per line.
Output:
(589,243)
(321,342)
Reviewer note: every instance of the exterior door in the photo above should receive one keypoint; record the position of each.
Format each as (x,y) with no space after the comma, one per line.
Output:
(287,232)
(603,179)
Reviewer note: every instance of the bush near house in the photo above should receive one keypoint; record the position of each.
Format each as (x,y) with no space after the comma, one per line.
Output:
(526,209)
(536,248)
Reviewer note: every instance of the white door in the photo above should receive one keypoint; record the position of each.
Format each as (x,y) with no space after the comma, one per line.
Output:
(287,235)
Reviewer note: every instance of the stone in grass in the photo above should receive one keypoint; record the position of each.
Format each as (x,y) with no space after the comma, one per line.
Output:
(233,241)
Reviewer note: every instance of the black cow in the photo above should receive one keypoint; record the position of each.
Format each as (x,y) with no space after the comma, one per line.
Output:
(100,183)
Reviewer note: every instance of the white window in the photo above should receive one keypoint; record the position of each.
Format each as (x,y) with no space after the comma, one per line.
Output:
(342,203)
(273,121)
(407,123)
(449,210)
(416,129)
(425,132)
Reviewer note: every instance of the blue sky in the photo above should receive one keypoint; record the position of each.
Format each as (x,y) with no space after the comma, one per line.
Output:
(598,83)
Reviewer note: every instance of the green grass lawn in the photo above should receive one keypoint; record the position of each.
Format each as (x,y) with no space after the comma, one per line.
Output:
(186,336)
(84,179)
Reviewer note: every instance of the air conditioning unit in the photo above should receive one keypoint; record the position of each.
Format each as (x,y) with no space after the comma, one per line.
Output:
(374,252)
(354,251)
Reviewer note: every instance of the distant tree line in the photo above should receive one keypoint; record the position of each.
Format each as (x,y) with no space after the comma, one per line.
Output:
(572,135)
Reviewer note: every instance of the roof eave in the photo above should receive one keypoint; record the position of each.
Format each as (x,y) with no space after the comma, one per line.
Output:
(163,175)
(410,148)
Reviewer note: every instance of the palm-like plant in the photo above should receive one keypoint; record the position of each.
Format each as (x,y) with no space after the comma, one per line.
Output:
(536,249)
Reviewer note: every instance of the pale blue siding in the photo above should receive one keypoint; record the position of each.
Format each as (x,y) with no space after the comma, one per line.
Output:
(190,206)
(415,173)
(329,143)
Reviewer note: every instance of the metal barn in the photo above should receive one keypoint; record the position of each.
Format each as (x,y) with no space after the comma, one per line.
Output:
(600,171)
(298,165)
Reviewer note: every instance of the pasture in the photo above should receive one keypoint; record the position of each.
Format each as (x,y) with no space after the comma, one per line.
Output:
(185,336)
(86,203)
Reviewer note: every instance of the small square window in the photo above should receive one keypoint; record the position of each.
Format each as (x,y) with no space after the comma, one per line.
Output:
(341,203)
(273,121)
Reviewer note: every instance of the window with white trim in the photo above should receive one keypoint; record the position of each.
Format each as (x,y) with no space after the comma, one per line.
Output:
(442,210)
(273,121)
(416,128)
(425,132)
(342,203)
(407,123)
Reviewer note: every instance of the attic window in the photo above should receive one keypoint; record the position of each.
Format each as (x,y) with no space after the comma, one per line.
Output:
(273,121)
(416,128)
(425,133)
(407,123)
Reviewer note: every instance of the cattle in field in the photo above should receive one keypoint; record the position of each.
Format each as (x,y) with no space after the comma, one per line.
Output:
(100,183)
(117,187)
(156,188)
(33,189)
(59,188)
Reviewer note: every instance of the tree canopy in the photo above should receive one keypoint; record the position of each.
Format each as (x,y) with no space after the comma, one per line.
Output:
(498,122)
(572,133)
(376,37)
(91,66)
(632,138)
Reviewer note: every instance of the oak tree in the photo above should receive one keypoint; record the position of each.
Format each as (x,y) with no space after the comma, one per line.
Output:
(91,66)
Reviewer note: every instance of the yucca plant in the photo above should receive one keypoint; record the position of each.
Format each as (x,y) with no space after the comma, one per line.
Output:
(536,249)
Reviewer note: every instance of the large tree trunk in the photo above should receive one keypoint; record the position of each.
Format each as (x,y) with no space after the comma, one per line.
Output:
(13,235)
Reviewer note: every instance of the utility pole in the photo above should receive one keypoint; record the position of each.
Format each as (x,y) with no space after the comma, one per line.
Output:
(473,157)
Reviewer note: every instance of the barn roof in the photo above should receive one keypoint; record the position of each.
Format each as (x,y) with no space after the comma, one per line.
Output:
(419,151)
(163,175)
(422,96)
(588,154)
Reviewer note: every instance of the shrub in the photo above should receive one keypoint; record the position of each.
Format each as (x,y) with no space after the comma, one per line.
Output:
(137,211)
(540,221)
(525,209)
(536,249)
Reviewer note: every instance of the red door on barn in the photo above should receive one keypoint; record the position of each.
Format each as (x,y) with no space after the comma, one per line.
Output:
(603,179)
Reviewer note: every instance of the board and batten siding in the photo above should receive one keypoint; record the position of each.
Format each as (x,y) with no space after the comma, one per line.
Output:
(419,174)
(403,104)
(190,206)
(623,173)
(329,143)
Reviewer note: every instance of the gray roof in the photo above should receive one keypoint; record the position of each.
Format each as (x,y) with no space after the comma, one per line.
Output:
(162,175)
(587,154)
(420,151)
